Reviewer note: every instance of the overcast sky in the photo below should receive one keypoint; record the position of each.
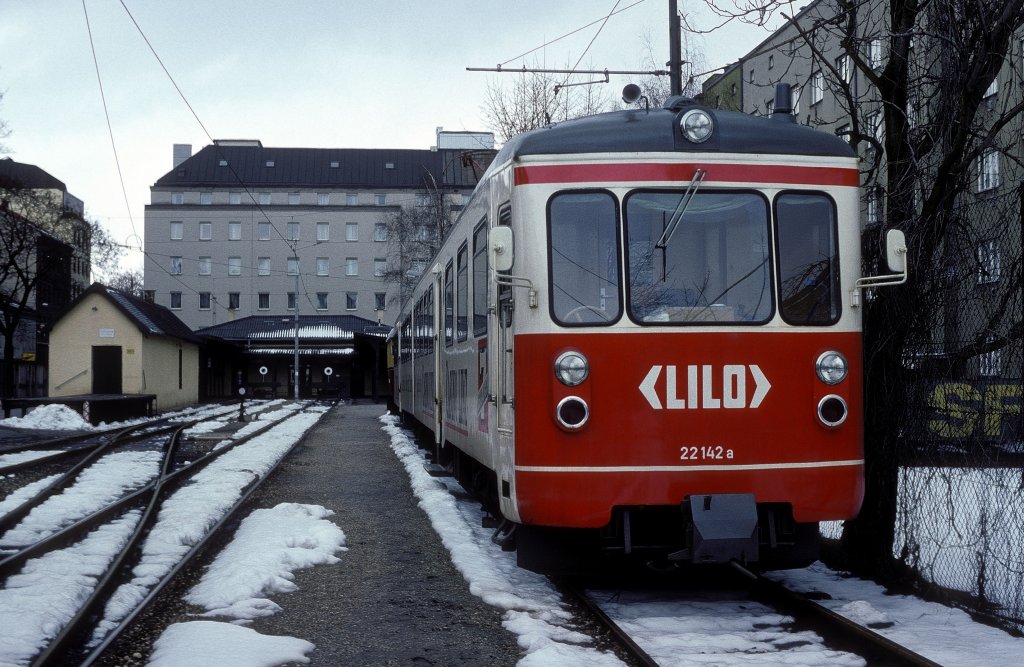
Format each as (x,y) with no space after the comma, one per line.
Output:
(309,73)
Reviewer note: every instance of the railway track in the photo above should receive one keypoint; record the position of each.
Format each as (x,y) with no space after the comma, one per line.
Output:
(839,633)
(103,612)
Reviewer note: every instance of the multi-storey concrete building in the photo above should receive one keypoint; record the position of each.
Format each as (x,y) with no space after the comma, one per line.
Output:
(241,229)
(46,263)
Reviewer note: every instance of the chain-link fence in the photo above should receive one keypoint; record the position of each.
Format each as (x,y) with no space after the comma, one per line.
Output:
(960,500)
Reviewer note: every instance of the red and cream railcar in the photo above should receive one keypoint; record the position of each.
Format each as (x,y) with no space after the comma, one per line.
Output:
(642,336)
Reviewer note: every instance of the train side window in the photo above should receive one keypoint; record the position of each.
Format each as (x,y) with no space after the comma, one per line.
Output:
(449,305)
(406,339)
(480,279)
(462,293)
(809,291)
(706,263)
(582,236)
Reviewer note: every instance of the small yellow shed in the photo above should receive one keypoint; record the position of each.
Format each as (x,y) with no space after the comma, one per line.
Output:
(109,342)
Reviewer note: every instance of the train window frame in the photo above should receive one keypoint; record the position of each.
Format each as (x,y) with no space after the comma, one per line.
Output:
(462,292)
(448,304)
(617,230)
(771,260)
(480,278)
(836,288)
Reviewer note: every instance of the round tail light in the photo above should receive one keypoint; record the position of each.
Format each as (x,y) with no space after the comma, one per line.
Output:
(832,411)
(572,412)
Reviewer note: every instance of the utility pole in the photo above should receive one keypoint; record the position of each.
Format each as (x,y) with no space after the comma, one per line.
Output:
(295,377)
(675,63)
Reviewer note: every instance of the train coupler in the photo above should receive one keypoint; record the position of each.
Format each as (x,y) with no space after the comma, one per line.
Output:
(720,528)
(505,535)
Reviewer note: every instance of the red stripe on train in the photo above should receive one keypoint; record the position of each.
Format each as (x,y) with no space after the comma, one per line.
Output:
(679,172)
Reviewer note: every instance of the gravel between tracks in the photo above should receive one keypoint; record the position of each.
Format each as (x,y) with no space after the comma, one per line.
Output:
(395,598)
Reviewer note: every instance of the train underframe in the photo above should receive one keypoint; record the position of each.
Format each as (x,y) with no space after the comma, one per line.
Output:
(701,530)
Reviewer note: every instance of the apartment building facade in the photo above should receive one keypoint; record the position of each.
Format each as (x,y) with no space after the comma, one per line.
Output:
(240,229)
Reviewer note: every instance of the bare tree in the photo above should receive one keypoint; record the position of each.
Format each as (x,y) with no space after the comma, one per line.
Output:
(128,281)
(36,253)
(414,236)
(934,130)
(527,100)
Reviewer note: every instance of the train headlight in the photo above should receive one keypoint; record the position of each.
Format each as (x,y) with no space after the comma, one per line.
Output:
(697,125)
(571,368)
(831,367)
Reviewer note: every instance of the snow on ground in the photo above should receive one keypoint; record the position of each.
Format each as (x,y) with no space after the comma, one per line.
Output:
(943,634)
(37,602)
(28,455)
(21,494)
(51,416)
(533,608)
(191,511)
(101,483)
(261,559)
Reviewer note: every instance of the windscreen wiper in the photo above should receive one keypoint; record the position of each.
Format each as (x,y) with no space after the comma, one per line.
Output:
(684,201)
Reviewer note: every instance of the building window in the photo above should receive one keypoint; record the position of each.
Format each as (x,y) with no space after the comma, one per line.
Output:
(323,231)
(270,163)
(321,300)
(794,99)
(844,65)
(149,295)
(380,267)
(205,266)
(234,231)
(351,300)
(335,164)
(351,266)
(293,231)
(771,61)
(204,301)
(234,266)
(817,87)
(751,77)
(205,231)
(989,262)
(235,198)
(293,198)
(988,170)
(175,266)
(379,300)
(177,198)
(291,300)
(991,93)
(874,122)
(263,301)
(175,300)
(990,364)
(323,266)
(263,229)
(293,266)
(205,198)
(380,200)
(323,199)
(422,200)
(264,199)
(351,200)
(233,300)
(380,231)
(263,266)
(177,231)
(769,107)
(874,206)
(351,231)
(875,53)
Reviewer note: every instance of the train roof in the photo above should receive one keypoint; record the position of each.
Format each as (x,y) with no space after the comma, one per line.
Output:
(657,130)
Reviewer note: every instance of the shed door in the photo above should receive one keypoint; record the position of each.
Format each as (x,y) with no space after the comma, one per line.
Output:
(106,369)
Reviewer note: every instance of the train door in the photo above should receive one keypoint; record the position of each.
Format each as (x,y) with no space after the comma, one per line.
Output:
(442,304)
(504,387)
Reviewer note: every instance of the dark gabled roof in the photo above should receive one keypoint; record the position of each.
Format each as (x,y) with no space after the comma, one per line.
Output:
(310,168)
(20,175)
(269,328)
(149,317)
